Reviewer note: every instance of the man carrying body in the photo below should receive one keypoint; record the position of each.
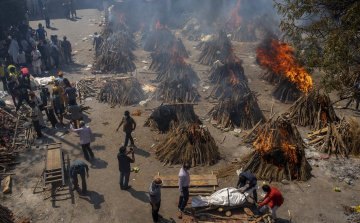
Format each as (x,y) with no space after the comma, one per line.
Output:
(184,182)
(272,199)
(248,178)
(85,134)
(79,167)
(129,126)
(124,166)
(155,198)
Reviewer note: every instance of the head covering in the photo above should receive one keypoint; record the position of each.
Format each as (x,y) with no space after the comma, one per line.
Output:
(95,33)
(60,73)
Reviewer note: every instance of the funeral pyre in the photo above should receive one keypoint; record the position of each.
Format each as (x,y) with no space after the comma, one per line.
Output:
(187,141)
(239,28)
(158,37)
(279,154)
(194,30)
(219,48)
(313,109)
(291,79)
(121,91)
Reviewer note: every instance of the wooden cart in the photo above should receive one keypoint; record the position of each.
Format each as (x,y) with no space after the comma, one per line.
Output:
(55,171)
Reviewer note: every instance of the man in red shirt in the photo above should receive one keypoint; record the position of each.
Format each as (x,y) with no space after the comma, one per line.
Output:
(272,199)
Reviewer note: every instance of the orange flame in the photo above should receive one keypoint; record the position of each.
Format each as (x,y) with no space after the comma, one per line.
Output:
(233,79)
(235,20)
(159,26)
(279,59)
(121,16)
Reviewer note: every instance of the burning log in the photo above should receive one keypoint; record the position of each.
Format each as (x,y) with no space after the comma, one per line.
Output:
(312,110)
(278,59)
(179,89)
(193,30)
(6,216)
(165,115)
(121,91)
(161,58)
(237,107)
(157,37)
(218,49)
(222,72)
(188,144)
(279,154)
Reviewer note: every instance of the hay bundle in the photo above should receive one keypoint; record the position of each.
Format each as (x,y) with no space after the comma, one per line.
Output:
(218,49)
(164,115)
(188,144)
(121,91)
(279,154)
(314,110)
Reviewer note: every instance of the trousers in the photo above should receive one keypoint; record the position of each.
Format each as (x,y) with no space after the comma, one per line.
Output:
(87,151)
(124,185)
(37,128)
(155,213)
(251,185)
(273,210)
(75,181)
(127,137)
(183,200)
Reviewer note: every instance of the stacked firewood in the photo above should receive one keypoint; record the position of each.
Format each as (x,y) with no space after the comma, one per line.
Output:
(84,88)
(218,49)
(279,154)
(158,37)
(7,159)
(220,72)
(286,92)
(244,33)
(193,30)
(6,216)
(313,109)
(121,91)
(178,89)
(188,144)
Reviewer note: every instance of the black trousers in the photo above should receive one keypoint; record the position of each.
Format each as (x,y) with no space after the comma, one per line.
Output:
(47,22)
(75,181)
(3,79)
(21,99)
(183,200)
(155,213)
(67,56)
(127,137)
(87,151)
(37,128)
(51,116)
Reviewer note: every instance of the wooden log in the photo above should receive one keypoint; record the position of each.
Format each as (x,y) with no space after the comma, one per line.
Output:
(318,132)
(200,190)
(7,185)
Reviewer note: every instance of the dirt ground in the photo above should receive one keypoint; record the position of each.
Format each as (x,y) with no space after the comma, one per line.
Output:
(311,201)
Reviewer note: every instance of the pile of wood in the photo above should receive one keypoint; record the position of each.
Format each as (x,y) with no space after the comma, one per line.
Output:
(7,159)
(6,216)
(121,91)
(84,88)
(314,110)
(279,154)
(220,73)
(338,138)
(286,92)
(158,37)
(173,114)
(177,67)
(161,58)
(193,30)
(218,49)
(244,33)
(237,107)
(188,144)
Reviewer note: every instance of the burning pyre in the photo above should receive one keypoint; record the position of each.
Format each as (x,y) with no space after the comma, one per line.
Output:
(158,37)
(218,49)
(240,29)
(291,79)
(121,91)
(194,30)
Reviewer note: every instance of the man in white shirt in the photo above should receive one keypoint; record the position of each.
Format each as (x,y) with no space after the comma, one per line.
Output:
(184,182)
(85,134)
(34,115)
(21,58)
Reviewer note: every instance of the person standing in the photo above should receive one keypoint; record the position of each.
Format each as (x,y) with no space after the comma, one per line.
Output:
(55,54)
(34,115)
(25,45)
(129,126)
(58,106)
(14,92)
(60,78)
(47,16)
(85,134)
(273,200)
(13,75)
(41,32)
(3,77)
(25,75)
(47,55)
(248,178)
(36,60)
(40,105)
(184,182)
(70,92)
(124,166)
(97,42)
(72,6)
(50,110)
(155,198)
(79,167)
(14,50)
(21,58)
(66,46)
(75,112)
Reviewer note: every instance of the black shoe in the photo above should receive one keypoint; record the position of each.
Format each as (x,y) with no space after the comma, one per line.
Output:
(127,188)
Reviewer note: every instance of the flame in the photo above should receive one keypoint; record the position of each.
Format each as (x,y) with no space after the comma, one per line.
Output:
(159,26)
(234,21)
(233,79)
(121,16)
(324,116)
(279,59)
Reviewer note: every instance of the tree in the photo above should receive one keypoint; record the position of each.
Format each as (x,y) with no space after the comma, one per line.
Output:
(326,34)
(12,12)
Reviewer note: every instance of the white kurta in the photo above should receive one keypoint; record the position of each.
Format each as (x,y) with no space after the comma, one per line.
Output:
(35,54)
(14,50)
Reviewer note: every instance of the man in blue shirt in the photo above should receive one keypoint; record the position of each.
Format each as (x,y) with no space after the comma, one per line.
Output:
(79,167)
(248,178)
(41,32)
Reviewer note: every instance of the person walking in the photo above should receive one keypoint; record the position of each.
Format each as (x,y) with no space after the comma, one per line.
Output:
(248,178)
(124,166)
(58,106)
(85,134)
(23,93)
(184,182)
(47,16)
(129,126)
(75,111)
(79,167)
(36,60)
(273,200)
(40,105)
(34,115)
(3,77)
(155,198)
(66,46)
(50,110)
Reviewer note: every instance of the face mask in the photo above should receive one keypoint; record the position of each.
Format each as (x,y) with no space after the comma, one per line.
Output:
(125,116)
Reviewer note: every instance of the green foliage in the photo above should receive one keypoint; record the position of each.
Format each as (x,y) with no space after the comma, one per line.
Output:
(11,12)
(329,40)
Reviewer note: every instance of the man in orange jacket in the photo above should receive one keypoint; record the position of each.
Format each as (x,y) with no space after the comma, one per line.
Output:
(272,199)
